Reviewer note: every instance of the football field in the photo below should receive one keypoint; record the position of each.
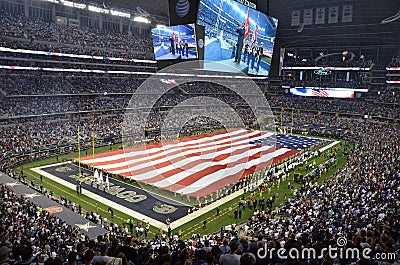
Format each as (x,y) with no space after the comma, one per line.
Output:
(154,207)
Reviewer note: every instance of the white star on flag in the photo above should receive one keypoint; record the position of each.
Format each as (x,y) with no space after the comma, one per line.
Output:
(86,226)
(31,196)
(12,184)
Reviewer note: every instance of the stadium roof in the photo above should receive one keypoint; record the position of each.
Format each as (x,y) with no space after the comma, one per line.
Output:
(365,29)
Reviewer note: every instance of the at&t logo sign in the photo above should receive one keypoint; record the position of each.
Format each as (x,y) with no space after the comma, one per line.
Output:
(182,8)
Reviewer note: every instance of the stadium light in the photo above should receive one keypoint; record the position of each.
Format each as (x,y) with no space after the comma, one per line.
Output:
(79,6)
(73,4)
(141,20)
(98,9)
(91,8)
(67,3)
(120,14)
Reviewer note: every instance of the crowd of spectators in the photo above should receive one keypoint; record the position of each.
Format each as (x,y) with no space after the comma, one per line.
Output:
(324,84)
(83,65)
(360,202)
(37,34)
(23,106)
(101,96)
(33,83)
(342,106)
(23,138)
(26,224)
(390,94)
(334,61)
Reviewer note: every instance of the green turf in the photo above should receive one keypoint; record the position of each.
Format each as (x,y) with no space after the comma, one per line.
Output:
(213,222)
(267,59)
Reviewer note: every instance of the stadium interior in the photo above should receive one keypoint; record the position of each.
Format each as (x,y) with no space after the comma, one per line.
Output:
(108,158)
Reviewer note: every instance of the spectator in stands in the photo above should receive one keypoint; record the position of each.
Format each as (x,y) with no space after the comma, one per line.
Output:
(128,250)
(26,256)
(72,258)
(231,258)
(4,256)
(89,255)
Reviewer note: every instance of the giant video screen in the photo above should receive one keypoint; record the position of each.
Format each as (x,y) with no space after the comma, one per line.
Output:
(174,42)
(237,35)
(321,92)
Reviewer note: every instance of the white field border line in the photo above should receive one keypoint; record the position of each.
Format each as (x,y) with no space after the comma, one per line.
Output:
(329,146)
(98,198)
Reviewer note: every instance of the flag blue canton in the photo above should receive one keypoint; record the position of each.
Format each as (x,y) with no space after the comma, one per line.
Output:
(287,141)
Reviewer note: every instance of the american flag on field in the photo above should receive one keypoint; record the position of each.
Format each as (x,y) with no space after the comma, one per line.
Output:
(255,34)
(320,93)
(247,24)
(197,166)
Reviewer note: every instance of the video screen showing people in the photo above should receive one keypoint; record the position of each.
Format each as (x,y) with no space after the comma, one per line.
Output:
(175,42)
(237,35)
